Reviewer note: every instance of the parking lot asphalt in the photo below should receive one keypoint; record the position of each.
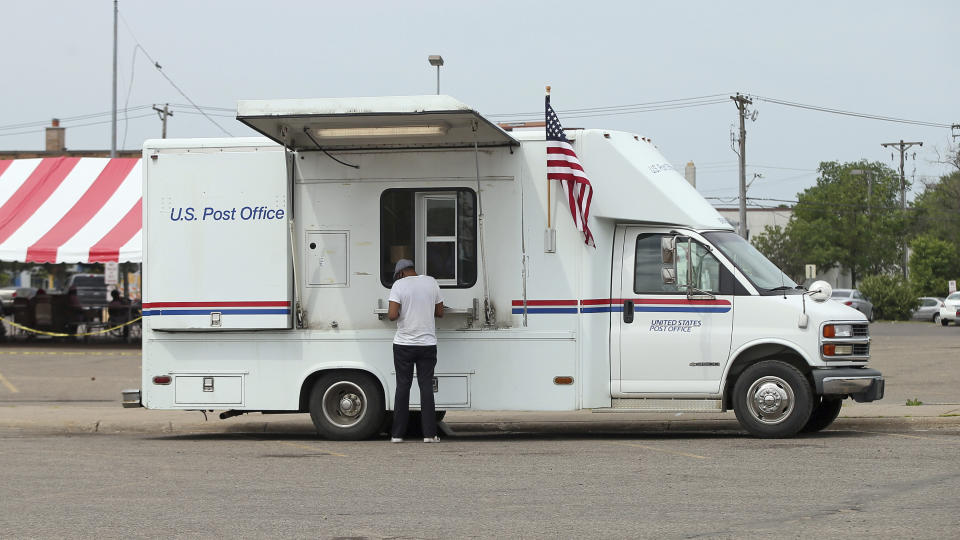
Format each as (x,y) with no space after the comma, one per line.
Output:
(73,388)
(841,483)
(77,465)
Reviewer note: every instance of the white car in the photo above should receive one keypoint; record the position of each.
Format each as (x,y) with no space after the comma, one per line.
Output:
(950,312)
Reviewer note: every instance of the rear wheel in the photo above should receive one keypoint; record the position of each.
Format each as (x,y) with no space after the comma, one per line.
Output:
(936,318)
(772,399)
(823,414)
(346,406)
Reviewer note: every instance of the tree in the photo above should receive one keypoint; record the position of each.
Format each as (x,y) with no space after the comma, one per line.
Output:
(850,220)
(892,297)
(776,245)
(932,263)
(937,209)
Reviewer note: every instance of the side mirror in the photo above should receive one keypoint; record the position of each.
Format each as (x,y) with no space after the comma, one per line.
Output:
(820,291)
(668,249)
(669,276)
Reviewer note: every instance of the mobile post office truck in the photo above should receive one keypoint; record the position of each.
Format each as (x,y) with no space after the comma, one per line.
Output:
(268,263)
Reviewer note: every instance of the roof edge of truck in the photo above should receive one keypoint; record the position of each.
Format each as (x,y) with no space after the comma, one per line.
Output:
(211,142)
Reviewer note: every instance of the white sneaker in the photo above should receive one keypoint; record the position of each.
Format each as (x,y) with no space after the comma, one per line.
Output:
(396,439)
(431,439)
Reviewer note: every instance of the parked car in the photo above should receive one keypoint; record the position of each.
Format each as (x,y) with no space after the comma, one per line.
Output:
(91,289)
(7,294)
(929,309)
(950,312)
(854,299)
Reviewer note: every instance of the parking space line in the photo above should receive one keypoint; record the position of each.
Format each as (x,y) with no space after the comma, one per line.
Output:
(8,384)
(655,449)
(904,435)
(311,448)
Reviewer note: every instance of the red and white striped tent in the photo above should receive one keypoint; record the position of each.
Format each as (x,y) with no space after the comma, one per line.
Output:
(70,210)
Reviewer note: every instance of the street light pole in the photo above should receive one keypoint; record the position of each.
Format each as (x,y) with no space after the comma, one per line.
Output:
(436,60)
(113,129)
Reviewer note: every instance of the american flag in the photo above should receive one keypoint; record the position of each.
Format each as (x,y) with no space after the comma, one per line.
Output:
(563,165)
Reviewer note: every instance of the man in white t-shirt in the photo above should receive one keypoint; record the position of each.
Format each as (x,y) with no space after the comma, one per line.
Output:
(414,302)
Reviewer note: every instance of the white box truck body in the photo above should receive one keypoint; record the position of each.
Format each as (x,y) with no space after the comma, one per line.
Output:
(268,262)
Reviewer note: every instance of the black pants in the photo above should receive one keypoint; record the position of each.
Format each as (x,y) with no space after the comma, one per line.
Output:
(404,358)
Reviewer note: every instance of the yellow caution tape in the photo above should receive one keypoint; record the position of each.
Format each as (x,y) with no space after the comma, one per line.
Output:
(60,334)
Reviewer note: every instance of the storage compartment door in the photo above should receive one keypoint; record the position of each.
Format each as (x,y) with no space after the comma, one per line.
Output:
(208,389)
(216,246)
(450,391)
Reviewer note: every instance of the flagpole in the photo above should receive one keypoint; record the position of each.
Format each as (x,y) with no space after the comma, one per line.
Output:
(549,206)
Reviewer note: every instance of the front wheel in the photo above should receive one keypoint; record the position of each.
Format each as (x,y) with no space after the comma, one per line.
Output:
(944,322)
(823,414)
(772,399)
(346,406)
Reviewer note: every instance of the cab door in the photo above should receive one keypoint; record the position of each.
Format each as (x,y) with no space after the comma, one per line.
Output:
(672,338)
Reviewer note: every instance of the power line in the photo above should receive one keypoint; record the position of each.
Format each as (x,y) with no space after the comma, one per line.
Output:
(851,113)
(609,108)
(169,80)
(100,122)
(219,115)
(207,108)
(45,123)
(612,111)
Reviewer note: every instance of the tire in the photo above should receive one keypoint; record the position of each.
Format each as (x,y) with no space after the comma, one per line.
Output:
(823,414)
(936,318)
(772,399)
(944,322)
(347,406)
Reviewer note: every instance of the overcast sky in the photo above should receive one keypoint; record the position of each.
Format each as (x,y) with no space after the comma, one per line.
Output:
(877,57)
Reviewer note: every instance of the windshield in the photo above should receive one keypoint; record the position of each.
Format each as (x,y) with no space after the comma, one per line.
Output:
(760,271)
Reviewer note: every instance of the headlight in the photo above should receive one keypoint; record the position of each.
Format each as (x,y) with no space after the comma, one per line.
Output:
(837,330)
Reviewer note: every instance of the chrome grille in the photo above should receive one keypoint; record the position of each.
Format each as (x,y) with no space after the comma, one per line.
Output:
(861,349)
(861,330)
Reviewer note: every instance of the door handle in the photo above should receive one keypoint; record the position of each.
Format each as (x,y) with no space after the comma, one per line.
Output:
(628,311)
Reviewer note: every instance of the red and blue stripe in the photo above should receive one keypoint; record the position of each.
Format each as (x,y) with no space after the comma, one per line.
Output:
(615,305)
(281,307)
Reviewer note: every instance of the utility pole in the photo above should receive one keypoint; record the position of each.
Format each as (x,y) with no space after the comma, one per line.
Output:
(113,129)
(163,114)
(903,147)
(741,103)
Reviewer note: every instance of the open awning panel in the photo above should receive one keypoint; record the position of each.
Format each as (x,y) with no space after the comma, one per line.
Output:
(70,210)
(371,123)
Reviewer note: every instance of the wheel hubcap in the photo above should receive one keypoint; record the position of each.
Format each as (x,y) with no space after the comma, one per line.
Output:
(344,404)
(770,400)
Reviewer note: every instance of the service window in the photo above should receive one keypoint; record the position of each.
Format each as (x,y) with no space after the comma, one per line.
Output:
(696,265)
(436,229)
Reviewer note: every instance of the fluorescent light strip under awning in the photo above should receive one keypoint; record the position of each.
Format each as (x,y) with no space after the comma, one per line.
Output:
(381,132)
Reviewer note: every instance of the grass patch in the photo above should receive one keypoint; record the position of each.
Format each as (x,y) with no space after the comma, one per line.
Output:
(914,402)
